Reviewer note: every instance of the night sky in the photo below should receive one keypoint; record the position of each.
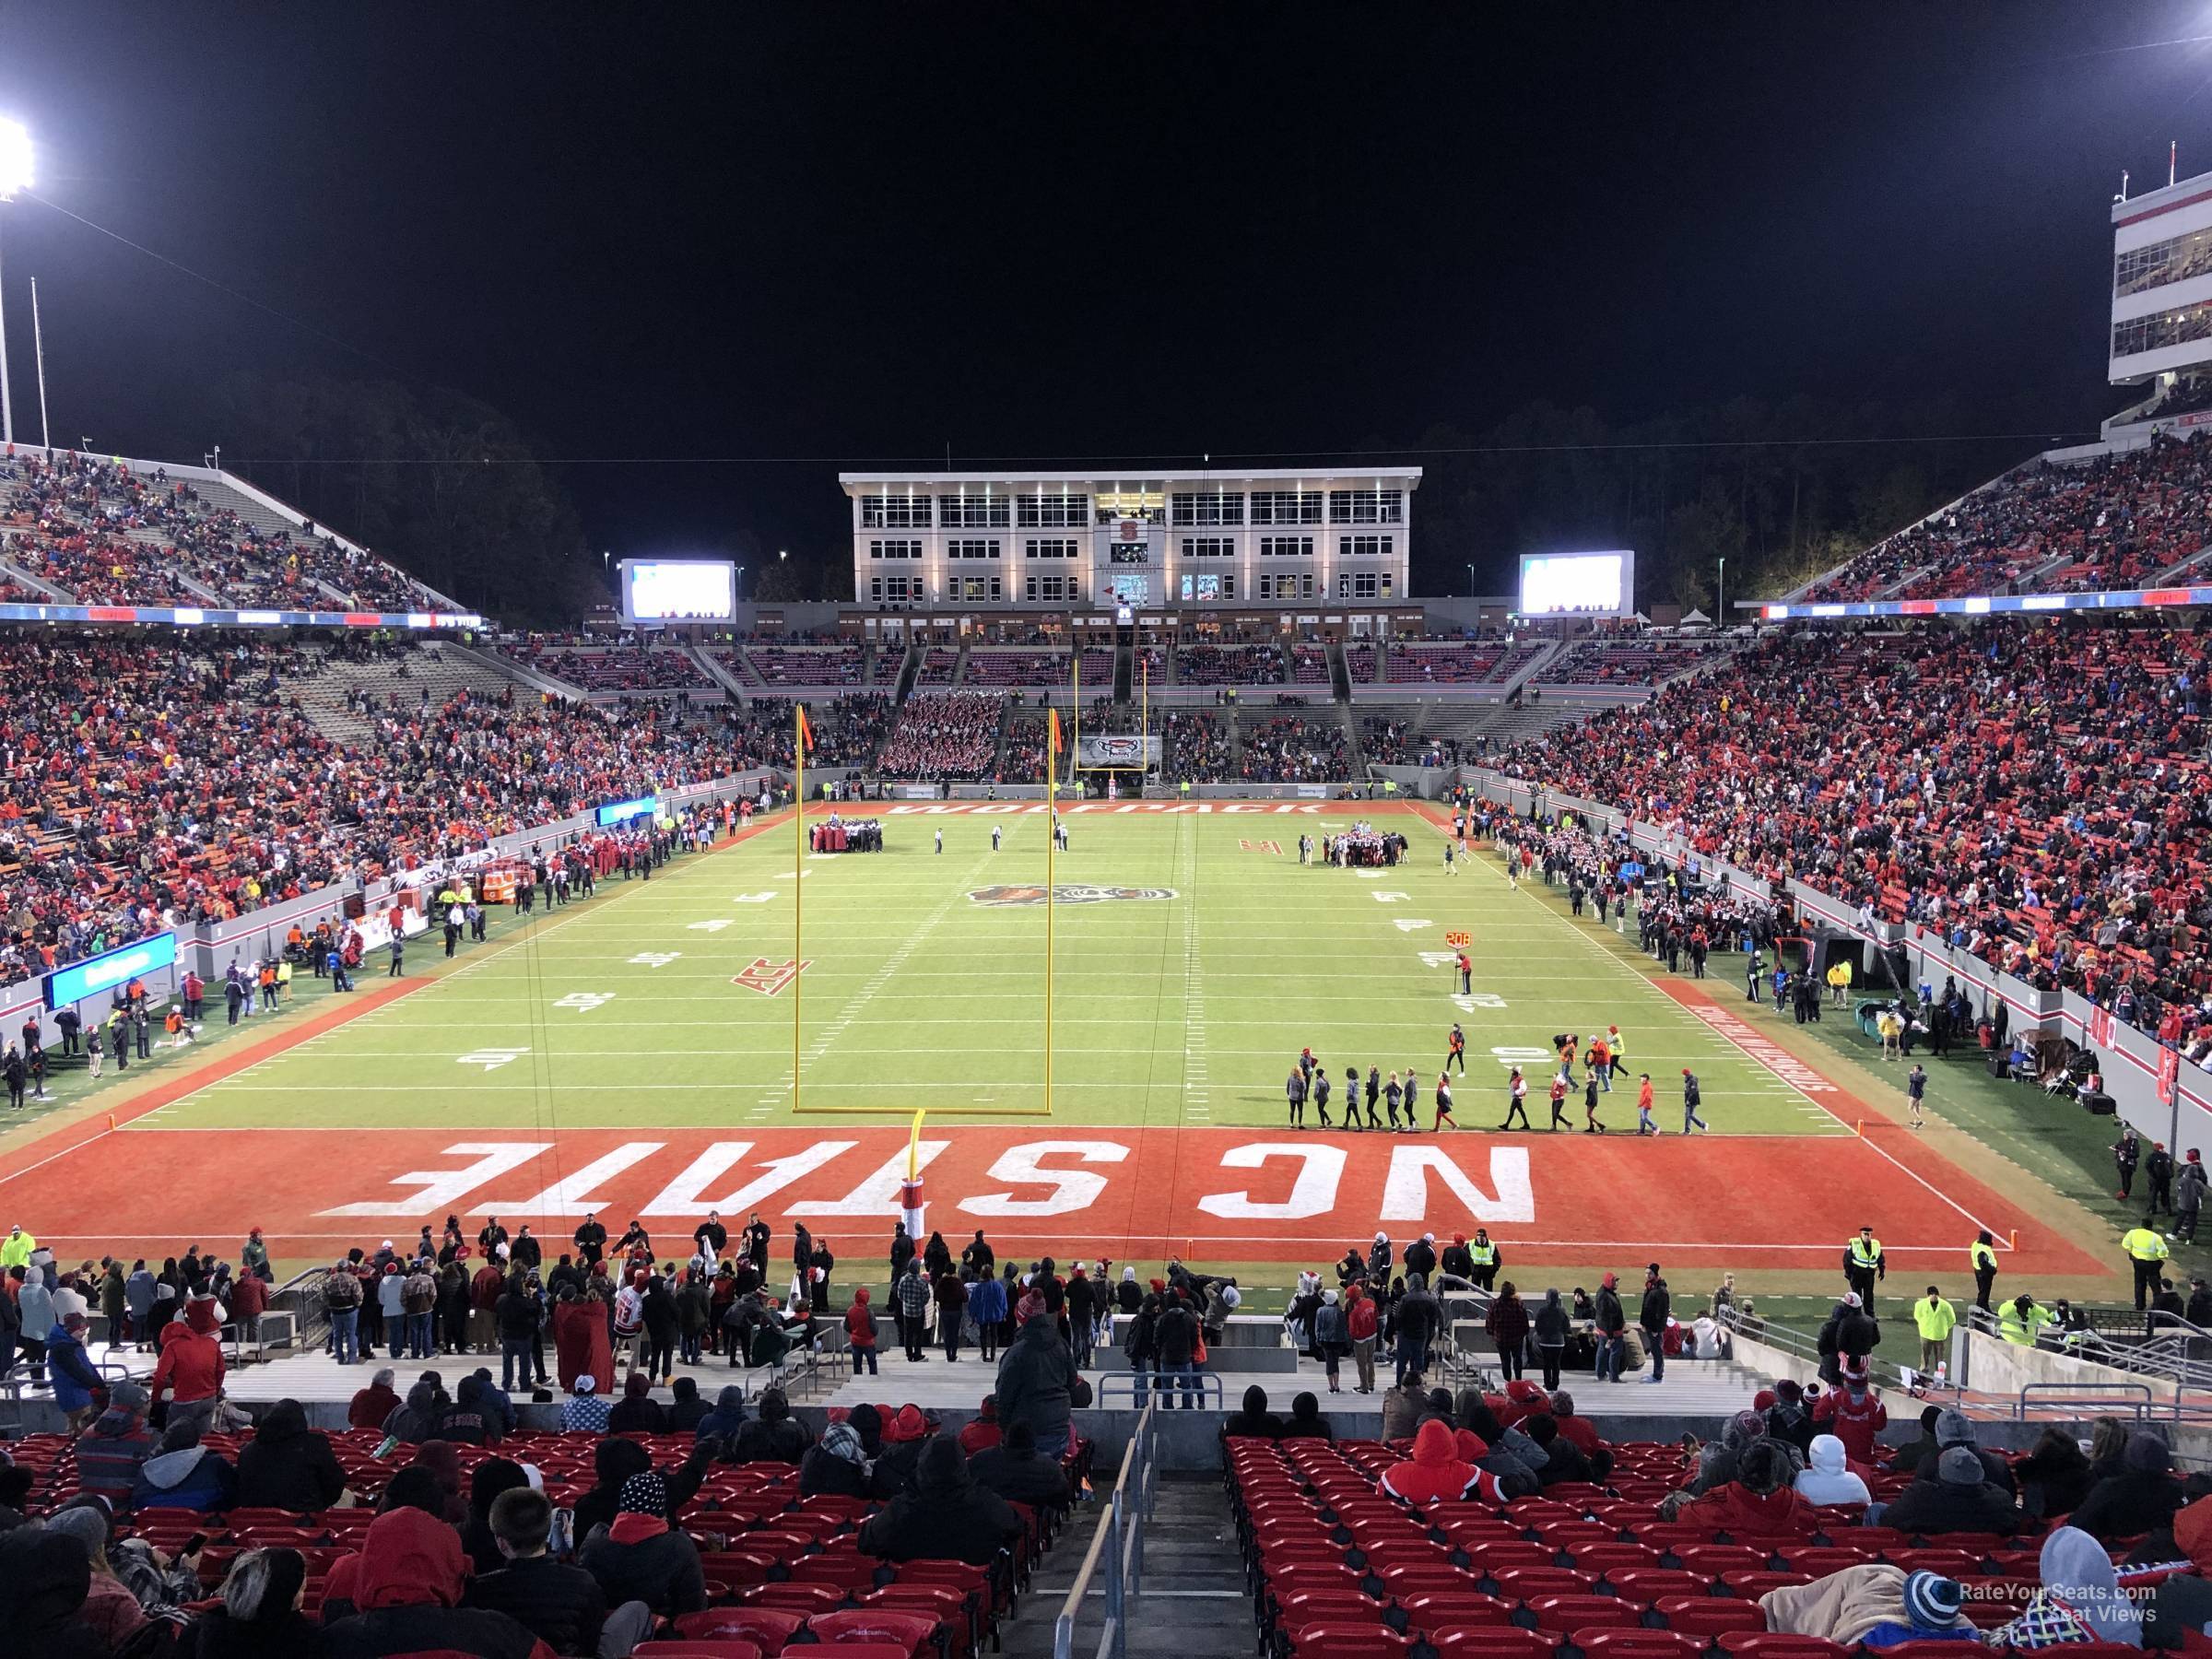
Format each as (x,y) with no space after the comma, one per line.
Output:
(821,235)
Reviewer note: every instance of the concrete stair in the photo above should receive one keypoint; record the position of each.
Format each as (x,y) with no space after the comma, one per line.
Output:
(1192,1600)
(323,695)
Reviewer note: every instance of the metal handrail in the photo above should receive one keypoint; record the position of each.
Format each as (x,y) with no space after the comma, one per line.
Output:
(2096,1397)
(1144,1385)
(1129,1506)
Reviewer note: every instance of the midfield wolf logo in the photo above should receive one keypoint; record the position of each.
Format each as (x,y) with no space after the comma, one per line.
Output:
(1067,893)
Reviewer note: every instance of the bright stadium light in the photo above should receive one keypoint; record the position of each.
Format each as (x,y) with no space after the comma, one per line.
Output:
(15,159)
(14,176)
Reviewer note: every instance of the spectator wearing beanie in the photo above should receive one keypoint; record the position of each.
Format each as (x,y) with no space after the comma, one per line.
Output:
(640,1557)
(1959,1499)
(1019,1474)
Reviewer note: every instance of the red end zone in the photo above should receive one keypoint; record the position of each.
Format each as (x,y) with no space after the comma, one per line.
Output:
(1220,1193)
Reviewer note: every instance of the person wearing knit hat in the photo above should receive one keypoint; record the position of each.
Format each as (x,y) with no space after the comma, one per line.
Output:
(640,1558)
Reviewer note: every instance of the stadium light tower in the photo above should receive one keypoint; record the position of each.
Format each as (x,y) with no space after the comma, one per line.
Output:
(15,174)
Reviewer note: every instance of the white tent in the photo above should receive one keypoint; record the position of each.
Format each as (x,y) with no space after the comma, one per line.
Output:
(1697,619)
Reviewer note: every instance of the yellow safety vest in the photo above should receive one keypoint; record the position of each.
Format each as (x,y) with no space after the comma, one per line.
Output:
(1934,1319)
(1484,1255)
(2144,1244)
(1866,1253)
(1979,1255)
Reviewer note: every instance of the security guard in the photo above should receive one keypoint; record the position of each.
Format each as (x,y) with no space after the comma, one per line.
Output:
(1982,1254)
(1862,1263)
(2146,1252)
(1487,1257)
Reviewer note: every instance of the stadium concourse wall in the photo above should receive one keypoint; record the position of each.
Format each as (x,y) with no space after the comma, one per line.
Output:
(209,946)
(2152,1087)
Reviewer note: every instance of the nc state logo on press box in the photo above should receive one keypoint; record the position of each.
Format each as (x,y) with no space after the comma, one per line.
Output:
(1068,893)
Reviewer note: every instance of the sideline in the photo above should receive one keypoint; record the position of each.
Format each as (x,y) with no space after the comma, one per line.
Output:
(40,1152)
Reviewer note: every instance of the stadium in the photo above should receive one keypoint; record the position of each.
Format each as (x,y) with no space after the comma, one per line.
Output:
(930,1021)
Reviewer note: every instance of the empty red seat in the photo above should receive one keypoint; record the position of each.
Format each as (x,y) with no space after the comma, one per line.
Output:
(1610,1641)
(1348,1641)
(1568,1613)
(1780,1644)
(1610,1558)
(770,1627)
(1432,1610)
(1647,1584)
(1495,1641)
(1706,1616)
(873,1625)
(1713,1560)
(1524,1583)
(805,1599)
(1326,1606)
(681,1649)
(1752,1585)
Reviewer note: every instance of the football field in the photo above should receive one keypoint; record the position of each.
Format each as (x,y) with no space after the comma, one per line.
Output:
(634,1056)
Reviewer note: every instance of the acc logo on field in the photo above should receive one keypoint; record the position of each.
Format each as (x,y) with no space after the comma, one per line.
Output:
(767,977)
(1066,894)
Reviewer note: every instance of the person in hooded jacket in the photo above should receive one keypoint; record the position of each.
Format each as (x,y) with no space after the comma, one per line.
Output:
(289,1466)
(1854,1413)
(1254,1421)
(407,1599)
(775,1436)
(1305,1422)
(259,1617)
(486,1481)
(640,1558)
(1826,1480)
(614,1462)
(110,1453)
(1954,1428)
(1959,1499)
(45,1579)
(726,1418)
(1017,1472)
(637,1412)
(70,1370)
(2054,1476)
(944,1517)
(1790,1419)
(1847,1334)
(2140,1499)
(1435,1472)
(1563,1460)
(1037,1378)
(1509,1325)
(1761,1499)
(1550,1325)
(185,1475)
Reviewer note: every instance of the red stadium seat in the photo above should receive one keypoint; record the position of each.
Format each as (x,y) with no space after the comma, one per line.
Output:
(681,1649)
(770,1627)
(1568,1613)
(1348,1641)
(1706,1616)
(1779,1644)
(872,1625)
(1608,1642)
(1432,1610)
(1497,1642)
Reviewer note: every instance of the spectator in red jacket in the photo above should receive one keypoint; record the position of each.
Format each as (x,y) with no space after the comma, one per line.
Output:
(981,1432)
(1435,1472)
(860,1331)
(191,1366)
(408,1598)
(1854,1414)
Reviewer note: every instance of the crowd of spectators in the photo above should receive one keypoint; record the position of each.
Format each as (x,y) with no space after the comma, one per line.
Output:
(2032,791)
(1289,748)
(1629,660)
(623,666)
(145,786)
(938,664)
(800,665)
(989,665)
(1198,748)
(2189,396)
(2116,521)
(1309,664)
(1454,662)
(108,535)
(1229,665)
(950,736)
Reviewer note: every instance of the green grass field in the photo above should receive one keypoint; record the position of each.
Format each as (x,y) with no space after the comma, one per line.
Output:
(1183,1011)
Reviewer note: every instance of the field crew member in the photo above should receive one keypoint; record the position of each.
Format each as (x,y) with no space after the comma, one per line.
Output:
(1934,1317)
(1982,1255)
(2147,1253)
